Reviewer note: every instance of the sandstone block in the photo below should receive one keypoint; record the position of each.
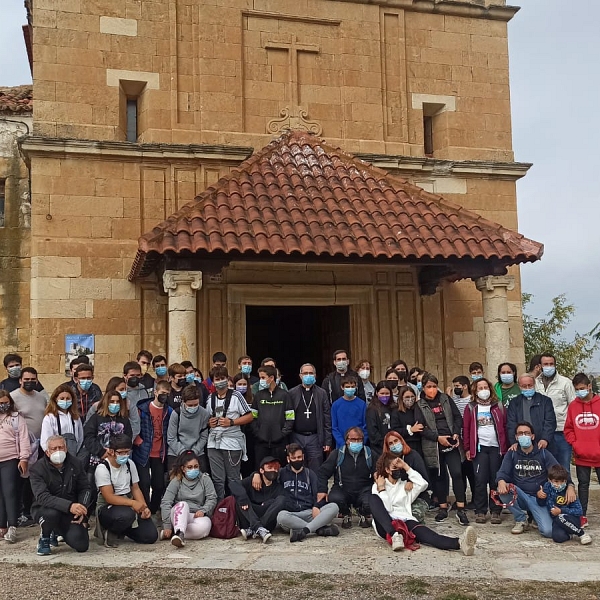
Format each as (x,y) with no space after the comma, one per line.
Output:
(118,344)
(55,266)
(50,288)
(88,289)
(121,289)
(58,309)
(118,26)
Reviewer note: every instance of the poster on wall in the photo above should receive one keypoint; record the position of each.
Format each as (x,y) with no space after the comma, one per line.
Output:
(78,345)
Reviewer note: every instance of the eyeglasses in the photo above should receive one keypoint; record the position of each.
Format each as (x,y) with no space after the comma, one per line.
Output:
(122,452)
(355,439)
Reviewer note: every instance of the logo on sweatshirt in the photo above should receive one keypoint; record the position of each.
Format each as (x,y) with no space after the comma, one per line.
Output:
(587,420)
(528,468)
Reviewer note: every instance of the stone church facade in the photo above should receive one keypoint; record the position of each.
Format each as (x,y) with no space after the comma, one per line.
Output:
(140,106)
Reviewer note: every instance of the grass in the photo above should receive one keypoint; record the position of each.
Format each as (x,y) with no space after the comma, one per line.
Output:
(457,596)
(416,586)
(113,576)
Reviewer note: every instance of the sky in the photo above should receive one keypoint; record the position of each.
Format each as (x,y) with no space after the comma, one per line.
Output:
(555,91)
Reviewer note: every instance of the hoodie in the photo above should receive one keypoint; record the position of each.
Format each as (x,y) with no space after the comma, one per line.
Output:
(198,493)
(582,431)
(300,489)
(188,431)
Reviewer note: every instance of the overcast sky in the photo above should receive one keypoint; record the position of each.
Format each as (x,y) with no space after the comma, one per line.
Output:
(554,49)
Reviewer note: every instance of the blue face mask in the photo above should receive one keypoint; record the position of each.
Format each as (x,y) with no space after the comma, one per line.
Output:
(528,393)
(64,404)
(122,460)
(507,378)
(476,377)
(263,384)
(355,447)
(242,389)
(419,385)
(161,371)
(191,409)
(559,488)
(246,369)
(189,377)
(123,394)
(548,371)
(113,409)
(85,384)
(192,473)
(579,393)
(308,380)
(524,441)
(349,392)
(397,448)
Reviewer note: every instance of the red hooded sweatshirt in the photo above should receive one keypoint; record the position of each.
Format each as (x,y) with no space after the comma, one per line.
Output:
(582,431)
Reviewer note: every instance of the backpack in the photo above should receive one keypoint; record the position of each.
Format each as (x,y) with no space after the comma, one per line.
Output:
(213,403)
(224,524)
(70,438)
(342,456)
(33,442)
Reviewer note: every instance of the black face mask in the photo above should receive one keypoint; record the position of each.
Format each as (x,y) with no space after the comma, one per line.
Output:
(182,383)
(296,464)
(133,382)
(399,474)
(458,391)
(29,386)
(5,407)
(163,398)
(271,475)
(392,384)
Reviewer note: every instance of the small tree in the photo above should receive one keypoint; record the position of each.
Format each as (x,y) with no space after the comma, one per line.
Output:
(545,335)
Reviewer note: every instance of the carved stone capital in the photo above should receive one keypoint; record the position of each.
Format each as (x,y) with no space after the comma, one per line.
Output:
(491,282)
(182,282)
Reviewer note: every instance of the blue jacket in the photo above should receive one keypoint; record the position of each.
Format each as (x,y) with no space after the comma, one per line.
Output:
(141,452)
(554,498)
(346,414)
(300,489)
(542,413)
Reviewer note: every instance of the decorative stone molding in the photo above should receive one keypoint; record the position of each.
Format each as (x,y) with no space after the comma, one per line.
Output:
(296,118)
(172,280)
(491,282)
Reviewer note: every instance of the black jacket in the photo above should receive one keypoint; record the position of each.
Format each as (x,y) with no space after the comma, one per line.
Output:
(245,494)
(300,489)
(399,422)
(331,384)
(322,408)
(273,415)
(543,417)
(379,423)
(98,430)
(58,490)
(353,474)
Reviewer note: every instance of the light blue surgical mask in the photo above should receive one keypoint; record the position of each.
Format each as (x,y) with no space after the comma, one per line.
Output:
(221,385)
(524,441)
(341,365)
(113,409)
(559,488)
(64,404)
(197,379)
(582,393)
(528,393)
(246,369)
(189,377)
(476,377)
(548,371)
(308,380)
(242,389)
(122,460)
(123,394)
(349,392)
(507,378)
(192,474)
(263,384)
(85,384)
(161,371)
(397,448)
(419,385)
(191,409)
(355,447)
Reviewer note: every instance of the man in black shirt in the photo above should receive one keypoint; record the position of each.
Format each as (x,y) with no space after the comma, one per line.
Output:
(332,384)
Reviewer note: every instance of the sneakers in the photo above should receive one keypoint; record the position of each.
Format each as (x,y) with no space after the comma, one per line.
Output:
(584,522)
(461,515)
(11,535)
(178,539)
(297,535)
(347,522)
(364,522)
(467,541)
(520,527)
(496,518)
(397,542)
(480,519)
(43,547)
(585,539)
(162,536)
(25,521)
(264,534)
(247,534)
(442,515)
(53,540)
(328,531)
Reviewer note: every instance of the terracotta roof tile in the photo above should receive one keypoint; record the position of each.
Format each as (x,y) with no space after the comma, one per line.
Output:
(18,99)
(299,196)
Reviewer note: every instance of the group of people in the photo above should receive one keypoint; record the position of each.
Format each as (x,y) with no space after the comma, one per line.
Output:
(163,456)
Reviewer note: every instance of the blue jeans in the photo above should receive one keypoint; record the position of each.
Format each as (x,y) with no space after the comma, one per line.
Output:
(561,450)
(525,503)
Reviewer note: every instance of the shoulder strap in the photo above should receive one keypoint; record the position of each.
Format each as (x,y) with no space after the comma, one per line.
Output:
(58,424)
(107,465)
(228,397)
(341,456)
(368,456)
(15,423)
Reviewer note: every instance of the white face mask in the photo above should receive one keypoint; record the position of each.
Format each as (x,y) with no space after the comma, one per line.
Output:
(58,457)
(364,374)
(484,395)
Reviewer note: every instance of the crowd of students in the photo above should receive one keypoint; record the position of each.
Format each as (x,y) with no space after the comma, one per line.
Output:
(165,457)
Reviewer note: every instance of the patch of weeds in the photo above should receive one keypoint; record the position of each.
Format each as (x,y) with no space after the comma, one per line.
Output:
(329,586)
(307,576)
(457,596)
(416,586)
(288,582)
(201,581)
(20,565)
(168,578)
(385,597)
(112,576)
(129,587)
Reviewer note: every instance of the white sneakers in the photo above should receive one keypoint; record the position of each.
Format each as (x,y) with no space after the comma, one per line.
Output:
(397,542)
(468,540)
(520,527)
(11,535)
(584,539)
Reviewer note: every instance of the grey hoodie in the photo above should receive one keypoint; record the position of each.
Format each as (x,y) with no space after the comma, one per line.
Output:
(199,494)
(187,431)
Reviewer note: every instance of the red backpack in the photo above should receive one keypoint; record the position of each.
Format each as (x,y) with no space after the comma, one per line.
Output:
(224,524)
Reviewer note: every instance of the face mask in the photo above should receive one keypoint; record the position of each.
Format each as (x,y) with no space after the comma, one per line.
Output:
(431,393)
(559,488)
(419,385)
(197,379)
(399,474)
(246,369)
(191,409)
(507,378)
(133,382)
(163,398)
(161,371)
(364,374)
(58,457)
(528,393)
(384,399)
(181,382)
(341,365)
(392,384)
(355,447)
(242,389)
(144,369)
(349,392)
(221,385)
(308,380)
(296,464)
(484,395)
(85,384)
(123,394)
(189,378)
(548,371)
(4,407)
(263,384)
(271,475)
(192,474)
(122,460)
(29,386)
(408,401)
(113,409)
(402,374)
(458,391)
(14,372)
(64,404)
(524,441)
(582,393)
(397,448)
(476,377)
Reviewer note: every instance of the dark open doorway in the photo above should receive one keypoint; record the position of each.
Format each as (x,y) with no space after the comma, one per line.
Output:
(293,335)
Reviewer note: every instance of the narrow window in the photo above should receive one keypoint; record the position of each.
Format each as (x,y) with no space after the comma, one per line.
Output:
(2,200)
(132,120)
(428,135)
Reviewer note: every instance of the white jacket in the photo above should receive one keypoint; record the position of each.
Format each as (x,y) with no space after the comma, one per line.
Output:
(561,391)
(397,500)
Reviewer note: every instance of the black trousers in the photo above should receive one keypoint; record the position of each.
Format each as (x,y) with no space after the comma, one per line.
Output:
(152,475)
(9,493)
(260,515)
(25,495)
(346,499)
(584,475)
(439,481)
(468,476)
(75,535)
(424,535)
(564,526)
(486,464)
(119,520)
(313,450)
(264,449)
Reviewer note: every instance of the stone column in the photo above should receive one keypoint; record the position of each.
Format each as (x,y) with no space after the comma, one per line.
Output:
(182,324)
(495,319)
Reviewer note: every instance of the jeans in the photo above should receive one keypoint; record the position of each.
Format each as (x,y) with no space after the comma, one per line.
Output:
(486,464)
(299,520)
(260,515)
(561,450)
(122,520)
(51,520)
(525,503)
(345,500)
(584,475)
